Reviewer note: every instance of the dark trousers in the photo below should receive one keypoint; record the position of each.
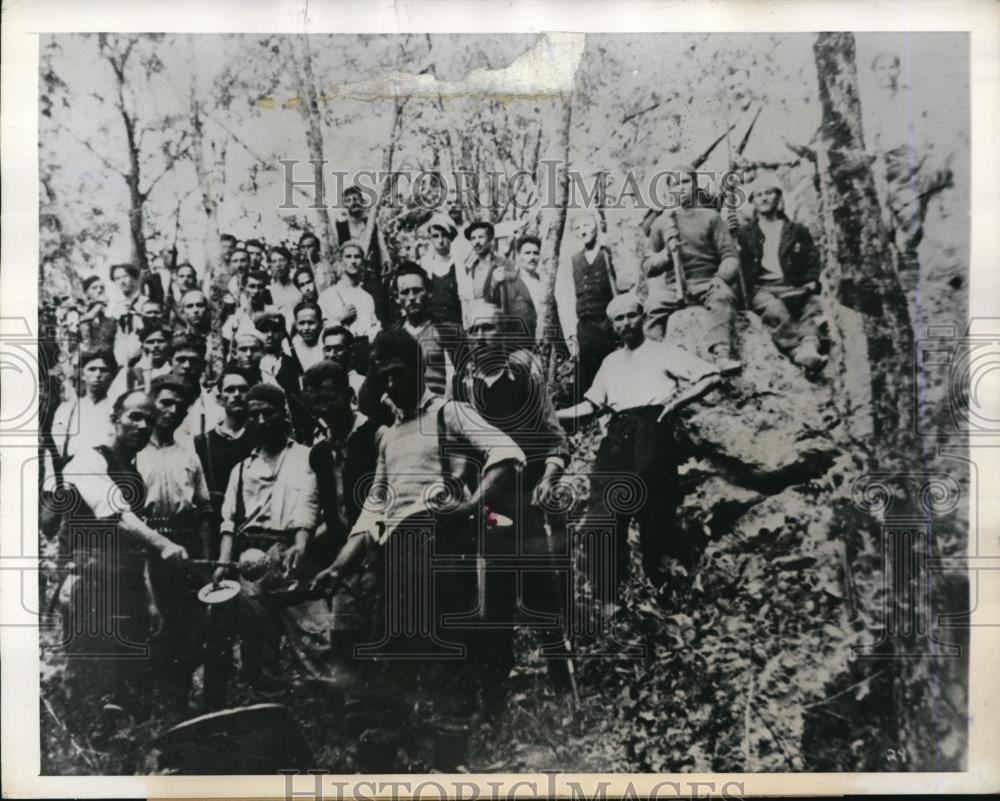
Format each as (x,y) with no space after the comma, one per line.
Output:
(439,637)
(634,477)
(106,626)
(595,340)
(178,647)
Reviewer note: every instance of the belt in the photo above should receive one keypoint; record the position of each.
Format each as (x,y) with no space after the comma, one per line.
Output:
(637,413)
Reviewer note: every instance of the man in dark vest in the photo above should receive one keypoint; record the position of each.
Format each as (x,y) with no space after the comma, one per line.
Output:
(439,262)
(505,382)
(106,624)
(585,284)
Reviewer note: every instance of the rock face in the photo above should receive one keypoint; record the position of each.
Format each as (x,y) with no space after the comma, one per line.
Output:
(762,431)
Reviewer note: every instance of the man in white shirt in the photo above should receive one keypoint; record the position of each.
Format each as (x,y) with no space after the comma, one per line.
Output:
(271,504)
(346,302)
(187,362)
(308,326)
(529,252)
(85,422)
(641,383)
(284,294)
(178,506)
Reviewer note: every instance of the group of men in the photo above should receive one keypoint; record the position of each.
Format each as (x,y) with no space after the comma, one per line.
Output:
(406,470)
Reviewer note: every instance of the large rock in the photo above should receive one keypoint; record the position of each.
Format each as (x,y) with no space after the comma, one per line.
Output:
(767,427)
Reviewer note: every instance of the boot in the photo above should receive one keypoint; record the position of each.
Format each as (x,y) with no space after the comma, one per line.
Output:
(719,355)
(807,355)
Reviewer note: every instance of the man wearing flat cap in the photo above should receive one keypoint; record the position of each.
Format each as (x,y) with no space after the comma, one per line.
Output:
(280,366)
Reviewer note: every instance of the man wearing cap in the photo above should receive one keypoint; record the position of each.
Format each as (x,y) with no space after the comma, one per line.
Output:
(279,365)
(271,504)
(709,267)
(640,385)
(450,288)
(494,278)
(781,267)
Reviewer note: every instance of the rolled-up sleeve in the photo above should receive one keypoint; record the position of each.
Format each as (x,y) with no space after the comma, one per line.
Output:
(304,512)
(228,525)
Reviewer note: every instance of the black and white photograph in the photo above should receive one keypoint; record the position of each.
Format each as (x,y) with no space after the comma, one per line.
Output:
(502,403)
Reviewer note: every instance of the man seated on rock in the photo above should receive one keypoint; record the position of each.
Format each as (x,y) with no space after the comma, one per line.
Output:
(708,270)
(641,384)
(781,266)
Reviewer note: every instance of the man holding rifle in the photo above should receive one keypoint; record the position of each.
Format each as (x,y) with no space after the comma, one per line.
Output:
(692,260)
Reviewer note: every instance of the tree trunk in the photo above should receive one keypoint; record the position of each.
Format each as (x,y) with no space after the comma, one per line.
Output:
(553,221)
(209,194)
(309,108)
(859,268)
(137,198)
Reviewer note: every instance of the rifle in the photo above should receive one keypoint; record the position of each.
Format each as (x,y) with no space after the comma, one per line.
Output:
(674,246)
(567,645)
(734,226)
(652,214)
(612,280)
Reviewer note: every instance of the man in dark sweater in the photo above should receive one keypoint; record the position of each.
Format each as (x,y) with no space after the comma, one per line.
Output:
(709,268)
(781,268)
(229,443)
(342,456)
